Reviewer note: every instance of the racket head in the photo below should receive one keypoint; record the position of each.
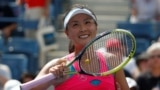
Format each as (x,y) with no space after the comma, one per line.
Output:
(116,45)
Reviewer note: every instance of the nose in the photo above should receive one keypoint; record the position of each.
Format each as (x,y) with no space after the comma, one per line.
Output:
(83,28)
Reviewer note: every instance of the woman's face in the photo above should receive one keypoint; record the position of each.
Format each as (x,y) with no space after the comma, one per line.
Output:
(154,59)
(81,29)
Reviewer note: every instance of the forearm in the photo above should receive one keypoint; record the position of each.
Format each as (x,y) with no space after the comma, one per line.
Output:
(44,71)
(43,86)
(3,80)
(7,31)
(121,79)
(13,26)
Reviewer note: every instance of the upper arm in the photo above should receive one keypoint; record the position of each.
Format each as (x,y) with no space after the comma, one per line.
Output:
(119,75)
(113,60)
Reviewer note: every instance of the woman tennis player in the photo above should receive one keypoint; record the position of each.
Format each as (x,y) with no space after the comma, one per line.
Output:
(80,26)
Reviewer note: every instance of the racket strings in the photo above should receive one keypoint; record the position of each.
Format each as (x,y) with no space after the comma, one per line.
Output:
(119,49)
(90,63)
(100,50)
(114,47)
(114,50)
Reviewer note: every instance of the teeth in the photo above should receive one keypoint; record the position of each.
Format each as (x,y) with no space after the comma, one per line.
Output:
(84,36)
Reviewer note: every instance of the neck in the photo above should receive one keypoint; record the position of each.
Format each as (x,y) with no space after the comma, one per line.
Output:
(155,72)
(78,49)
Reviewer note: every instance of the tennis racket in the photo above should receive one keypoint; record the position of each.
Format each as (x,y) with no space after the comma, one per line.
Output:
(107,53)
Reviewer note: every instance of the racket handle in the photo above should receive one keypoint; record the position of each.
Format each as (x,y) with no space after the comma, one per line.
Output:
(36,82)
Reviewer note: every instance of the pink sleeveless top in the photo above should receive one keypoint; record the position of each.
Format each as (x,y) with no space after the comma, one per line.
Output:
(86,82)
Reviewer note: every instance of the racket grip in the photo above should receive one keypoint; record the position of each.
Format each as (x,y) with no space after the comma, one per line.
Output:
(36,82)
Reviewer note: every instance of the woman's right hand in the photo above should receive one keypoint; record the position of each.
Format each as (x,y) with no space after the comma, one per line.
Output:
(59,69)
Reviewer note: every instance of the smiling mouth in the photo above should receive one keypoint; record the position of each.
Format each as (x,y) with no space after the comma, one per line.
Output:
(83,36)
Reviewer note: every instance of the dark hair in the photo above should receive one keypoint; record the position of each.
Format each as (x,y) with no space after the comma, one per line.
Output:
(26,75)
(71,47)
(79,6)
(141,57)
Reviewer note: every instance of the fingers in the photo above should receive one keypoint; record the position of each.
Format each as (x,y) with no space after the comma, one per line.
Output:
(59,69)
(62,61)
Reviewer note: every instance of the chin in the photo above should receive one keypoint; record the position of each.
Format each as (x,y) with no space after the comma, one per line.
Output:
(82,44)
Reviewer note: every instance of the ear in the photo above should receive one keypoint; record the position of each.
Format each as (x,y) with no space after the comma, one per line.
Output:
(66,32)
(96,28)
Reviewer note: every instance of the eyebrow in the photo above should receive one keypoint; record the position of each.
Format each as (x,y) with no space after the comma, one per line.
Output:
(88,19)
(73,21)
(83,20)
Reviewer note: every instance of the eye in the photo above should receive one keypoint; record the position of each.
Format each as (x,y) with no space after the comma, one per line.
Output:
(75,24)
(87,22)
